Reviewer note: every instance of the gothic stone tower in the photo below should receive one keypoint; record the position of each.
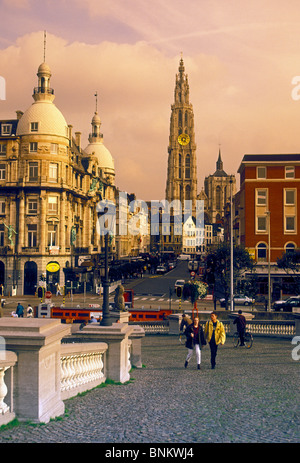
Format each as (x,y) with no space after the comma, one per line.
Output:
(182,168)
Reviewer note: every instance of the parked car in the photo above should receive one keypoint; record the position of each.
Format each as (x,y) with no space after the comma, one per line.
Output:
(238,299)
(171,265)
(161,269)
(286,305)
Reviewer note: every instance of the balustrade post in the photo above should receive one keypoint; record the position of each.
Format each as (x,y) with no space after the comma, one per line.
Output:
(37,343)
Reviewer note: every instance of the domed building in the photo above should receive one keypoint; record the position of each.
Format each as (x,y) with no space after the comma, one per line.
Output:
(100,160)
(48,196)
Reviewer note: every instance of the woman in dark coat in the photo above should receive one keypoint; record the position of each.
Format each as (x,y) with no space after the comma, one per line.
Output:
(194,340)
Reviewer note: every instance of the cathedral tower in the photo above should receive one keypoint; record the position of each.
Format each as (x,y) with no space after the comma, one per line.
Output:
(182,168)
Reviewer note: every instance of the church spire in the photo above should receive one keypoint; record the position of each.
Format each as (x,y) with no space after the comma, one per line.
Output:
(182,168)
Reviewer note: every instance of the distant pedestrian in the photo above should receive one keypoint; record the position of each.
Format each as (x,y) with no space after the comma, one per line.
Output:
(240,322)
(58,291)
(29,311)
(20,310)
(93,319)
(215,335)
(194,340)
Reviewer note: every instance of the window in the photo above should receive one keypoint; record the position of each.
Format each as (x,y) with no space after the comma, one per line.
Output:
(187,166)
(290,248)
(261,197)
(261,172)
(33,147)
(289,197)
(33,171)
(52,204)
(179,165)
(262,251)
(2,171)
(32,206)
(52,229)
(34,126)
(3,148)
(290,224)
(32,235)
(6,129)
(290,172)
(53,172)
(54,148)
(1,234)
(261,224)
(2,205)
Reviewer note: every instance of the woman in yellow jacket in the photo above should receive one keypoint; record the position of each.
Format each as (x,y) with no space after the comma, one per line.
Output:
(214,333)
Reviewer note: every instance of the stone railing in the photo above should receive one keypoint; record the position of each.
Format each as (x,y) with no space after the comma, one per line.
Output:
(154,327)
(82,367)
(279,328)
(271,328)
(41,365)
(7,361)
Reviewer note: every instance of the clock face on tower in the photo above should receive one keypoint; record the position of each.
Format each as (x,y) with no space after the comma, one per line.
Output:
(183,139)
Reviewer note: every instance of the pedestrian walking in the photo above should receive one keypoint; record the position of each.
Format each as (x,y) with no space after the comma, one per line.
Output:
(29,311)
(58,291)
(215,335)
(240,322)
(20,310)
(194,340)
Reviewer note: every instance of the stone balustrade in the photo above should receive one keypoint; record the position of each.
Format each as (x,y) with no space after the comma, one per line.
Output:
(7,361)
(82,367)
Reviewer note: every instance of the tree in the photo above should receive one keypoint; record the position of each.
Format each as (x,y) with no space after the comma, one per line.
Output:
(290,263)
(217,269)
(194,290)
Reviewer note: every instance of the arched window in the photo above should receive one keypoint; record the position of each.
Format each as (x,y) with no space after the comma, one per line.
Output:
(218,198)
(179,165)
(180,119)
(261,251)
(187,166)
(290,248)
(188,192)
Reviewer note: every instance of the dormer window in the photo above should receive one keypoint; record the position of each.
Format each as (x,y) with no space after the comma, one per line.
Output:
(6,129)
(34,126)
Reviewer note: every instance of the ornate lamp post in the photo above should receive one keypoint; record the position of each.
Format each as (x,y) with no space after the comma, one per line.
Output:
(106,228)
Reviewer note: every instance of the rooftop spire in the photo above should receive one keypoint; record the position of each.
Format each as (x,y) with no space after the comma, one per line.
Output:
(44,46)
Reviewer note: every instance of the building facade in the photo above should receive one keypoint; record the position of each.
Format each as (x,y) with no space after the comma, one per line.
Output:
(49,190)
(266,213)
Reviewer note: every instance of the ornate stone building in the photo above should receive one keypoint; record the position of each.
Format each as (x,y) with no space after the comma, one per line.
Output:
(49,189)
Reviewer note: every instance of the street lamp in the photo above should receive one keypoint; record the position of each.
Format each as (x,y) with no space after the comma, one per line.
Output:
(231,248)
(268,214)
(106,226)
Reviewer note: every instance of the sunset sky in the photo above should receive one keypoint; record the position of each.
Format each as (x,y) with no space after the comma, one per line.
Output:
(240,57)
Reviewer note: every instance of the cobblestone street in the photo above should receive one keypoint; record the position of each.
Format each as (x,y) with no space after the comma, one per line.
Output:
(251,397)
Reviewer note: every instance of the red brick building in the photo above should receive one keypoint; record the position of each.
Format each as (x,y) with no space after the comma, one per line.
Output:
(267,209)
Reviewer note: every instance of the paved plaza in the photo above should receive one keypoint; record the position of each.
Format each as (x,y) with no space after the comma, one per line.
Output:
(251,397)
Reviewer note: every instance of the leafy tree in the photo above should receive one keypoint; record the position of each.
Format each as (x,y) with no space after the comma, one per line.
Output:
(290,263)
(217,270)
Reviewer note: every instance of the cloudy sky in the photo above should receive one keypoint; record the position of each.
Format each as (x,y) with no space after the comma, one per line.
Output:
(241,58)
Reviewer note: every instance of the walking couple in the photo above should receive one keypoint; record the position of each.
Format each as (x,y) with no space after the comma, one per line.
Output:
(214,334)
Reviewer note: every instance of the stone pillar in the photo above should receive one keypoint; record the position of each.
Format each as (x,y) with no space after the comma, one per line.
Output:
(136,348)
(37,343)
(119,345)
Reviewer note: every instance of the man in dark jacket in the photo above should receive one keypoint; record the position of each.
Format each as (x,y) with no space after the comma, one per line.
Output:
(194,339)
(240,322)
(20,310)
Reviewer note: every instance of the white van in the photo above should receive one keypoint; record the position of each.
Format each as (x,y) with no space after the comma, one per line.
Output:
(184,257)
